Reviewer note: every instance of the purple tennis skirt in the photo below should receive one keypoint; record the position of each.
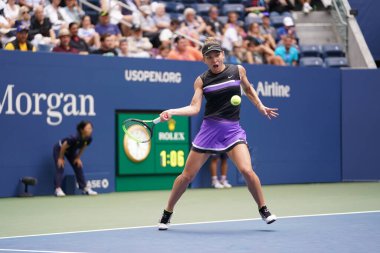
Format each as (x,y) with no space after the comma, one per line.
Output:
(218,136)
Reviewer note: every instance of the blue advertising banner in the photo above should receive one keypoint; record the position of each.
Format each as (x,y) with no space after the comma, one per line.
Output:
(361,125)
(44,96)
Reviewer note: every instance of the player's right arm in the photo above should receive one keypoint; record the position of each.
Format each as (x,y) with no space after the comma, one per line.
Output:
(190,110)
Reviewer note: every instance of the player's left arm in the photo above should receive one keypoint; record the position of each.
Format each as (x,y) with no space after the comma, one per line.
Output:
(253,97)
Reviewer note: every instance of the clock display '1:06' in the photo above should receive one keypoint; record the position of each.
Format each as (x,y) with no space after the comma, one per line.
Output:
(172,158)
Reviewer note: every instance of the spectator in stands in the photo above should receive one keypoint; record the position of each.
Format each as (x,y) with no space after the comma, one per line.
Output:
(183,51)
(287,29)
(266,27)
(262,54)
(138,46)
(128,15)
(41,25)
(214,27)
(72,12)
(21,42)
(72,148)
(223,182)
(280,6)
(233,34)
(233,21)
(123,48)
(77,42)
(105,27)
(11,10)
(193,25)
(145,20)
(51,11)
(64,45)
(256,7)
(163,52)
(306,7)
(88,33)
(161,18)
(287,51)
(239,55)
(133,6)
(261,39)
(168,34)
(107,47)
(24,17)
(114,9)
(6,25)
(31,4)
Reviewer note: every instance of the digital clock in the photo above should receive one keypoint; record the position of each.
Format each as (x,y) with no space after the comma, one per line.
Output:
(173,158)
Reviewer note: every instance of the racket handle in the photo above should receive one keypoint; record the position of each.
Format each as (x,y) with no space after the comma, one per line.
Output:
(157,120)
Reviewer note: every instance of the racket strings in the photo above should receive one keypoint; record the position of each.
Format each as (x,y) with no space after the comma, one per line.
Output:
(137,130)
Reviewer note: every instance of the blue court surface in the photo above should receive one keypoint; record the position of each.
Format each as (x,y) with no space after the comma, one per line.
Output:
(344,232)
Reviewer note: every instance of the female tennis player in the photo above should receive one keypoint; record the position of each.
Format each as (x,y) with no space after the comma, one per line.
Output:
(220,130)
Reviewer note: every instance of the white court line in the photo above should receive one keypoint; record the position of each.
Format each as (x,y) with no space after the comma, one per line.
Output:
(39,251)
(181,224)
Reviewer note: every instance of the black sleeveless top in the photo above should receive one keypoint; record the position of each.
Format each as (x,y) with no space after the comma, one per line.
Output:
(218,90)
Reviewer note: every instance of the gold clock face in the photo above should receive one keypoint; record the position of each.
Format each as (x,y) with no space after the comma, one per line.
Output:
(135,151)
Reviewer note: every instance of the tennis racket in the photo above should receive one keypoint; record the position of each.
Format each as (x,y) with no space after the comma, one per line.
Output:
(134,128)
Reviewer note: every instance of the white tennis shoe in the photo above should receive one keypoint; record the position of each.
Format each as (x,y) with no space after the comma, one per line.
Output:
(59,192)
(226,184)
(164,222)
(217,185)
(89,191)
(266,215)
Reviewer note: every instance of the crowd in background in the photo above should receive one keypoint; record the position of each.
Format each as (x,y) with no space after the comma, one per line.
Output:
(145,29)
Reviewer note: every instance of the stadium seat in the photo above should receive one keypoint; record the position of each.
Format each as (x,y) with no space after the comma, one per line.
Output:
(336,62)
(333,50)
(238,8)
(172,7)
(277,21)
(44,48)
(202,9)
(310,51)
(252,19)
(311,62)
(214,2)
(223,19)
(177,16)
(235,1)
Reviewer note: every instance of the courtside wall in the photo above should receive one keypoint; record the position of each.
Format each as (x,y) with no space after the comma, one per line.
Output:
(44,96)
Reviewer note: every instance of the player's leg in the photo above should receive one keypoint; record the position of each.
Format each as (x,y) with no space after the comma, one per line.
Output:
(194,162)
(242,159)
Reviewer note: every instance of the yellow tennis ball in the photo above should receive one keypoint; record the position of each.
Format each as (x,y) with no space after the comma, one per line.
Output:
(235,100)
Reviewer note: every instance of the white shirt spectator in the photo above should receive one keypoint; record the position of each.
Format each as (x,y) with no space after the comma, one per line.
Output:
(114,10)
(146,21)
(12,11)
(53,14)
(231,38)
(86,32)
(71,15)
